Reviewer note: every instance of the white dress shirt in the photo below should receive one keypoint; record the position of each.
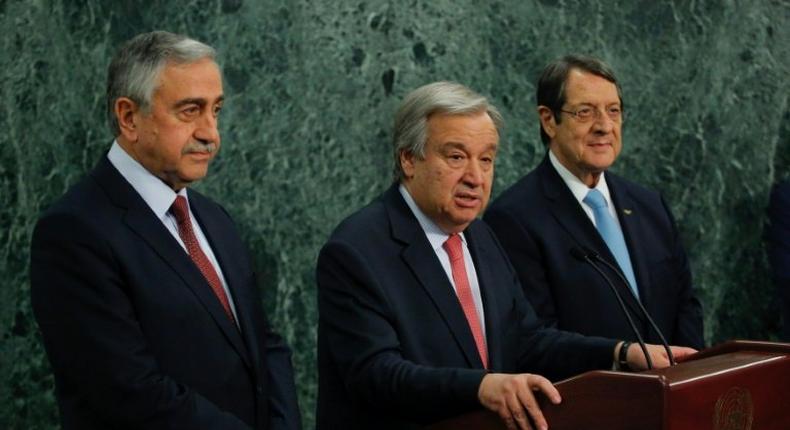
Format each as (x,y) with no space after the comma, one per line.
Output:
(437,237)
(160,197)
(580,189)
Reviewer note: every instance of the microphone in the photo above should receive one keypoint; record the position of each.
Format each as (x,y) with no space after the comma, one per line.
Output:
(584,255)
(594,255)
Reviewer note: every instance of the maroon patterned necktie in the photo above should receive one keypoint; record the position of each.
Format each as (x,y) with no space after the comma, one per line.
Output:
(181,211)
(454,249)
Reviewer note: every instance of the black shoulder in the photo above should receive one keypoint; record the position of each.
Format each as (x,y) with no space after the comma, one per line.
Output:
(365,221)
(205,203)
(86,197)
(619,184)
(522,190)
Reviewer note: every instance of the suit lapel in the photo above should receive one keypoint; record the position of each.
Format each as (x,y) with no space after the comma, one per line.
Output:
(422,261)
(144,223)
(218,235)
(568,213)
(488,283)
(631,223)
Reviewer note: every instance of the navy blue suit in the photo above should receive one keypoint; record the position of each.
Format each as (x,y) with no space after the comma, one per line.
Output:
(538,221)
(779,247)
(394,348)
(134,333)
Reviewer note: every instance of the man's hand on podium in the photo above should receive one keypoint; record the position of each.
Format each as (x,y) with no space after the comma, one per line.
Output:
(511,397)
(636,358)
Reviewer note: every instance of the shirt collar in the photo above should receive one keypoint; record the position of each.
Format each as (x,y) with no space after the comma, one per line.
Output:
(156,194)
(577,187)
(436,236)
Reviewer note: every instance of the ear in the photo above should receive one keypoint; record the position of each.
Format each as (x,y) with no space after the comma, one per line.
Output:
(547,121)
(126,113)
(407,160)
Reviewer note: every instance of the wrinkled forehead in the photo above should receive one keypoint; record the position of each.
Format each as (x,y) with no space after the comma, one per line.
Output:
(198,79)
(585,87)
(463,130)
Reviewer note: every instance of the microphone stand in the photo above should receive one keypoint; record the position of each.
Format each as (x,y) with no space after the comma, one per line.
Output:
(584,256)
(616,270)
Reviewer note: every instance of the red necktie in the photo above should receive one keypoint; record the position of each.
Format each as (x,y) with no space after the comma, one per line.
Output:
(181,211)
(454,249)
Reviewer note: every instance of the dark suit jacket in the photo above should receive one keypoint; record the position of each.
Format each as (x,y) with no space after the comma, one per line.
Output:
(134,333)
(394,347)
(538,221)
(779,247)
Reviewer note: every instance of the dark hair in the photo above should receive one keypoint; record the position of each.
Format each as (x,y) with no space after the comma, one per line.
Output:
(551,85)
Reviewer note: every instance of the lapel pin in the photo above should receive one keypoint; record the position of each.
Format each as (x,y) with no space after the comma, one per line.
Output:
(627,211)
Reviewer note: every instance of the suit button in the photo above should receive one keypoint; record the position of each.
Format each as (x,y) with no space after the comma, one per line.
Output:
(259,389)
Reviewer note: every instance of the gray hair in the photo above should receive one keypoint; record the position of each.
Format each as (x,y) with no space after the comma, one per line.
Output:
(411,120)
(135,68)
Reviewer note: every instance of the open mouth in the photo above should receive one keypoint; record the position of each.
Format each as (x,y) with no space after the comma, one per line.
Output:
(467,200)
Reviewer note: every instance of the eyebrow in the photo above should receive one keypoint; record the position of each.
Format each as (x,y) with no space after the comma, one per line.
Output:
(197,101)
(461,146)
(451,144)
(595,105)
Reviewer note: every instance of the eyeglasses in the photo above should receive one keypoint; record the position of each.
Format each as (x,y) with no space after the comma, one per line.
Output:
(588,113)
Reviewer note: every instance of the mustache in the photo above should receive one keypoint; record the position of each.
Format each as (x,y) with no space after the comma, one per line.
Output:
(198,146)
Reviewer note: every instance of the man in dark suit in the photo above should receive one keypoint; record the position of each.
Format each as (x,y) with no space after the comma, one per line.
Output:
(143,290)
(421,317)
(572,201)
(779,248)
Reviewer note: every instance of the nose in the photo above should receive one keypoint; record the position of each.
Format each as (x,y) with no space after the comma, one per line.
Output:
(603,124)
(473,176)
(207,129)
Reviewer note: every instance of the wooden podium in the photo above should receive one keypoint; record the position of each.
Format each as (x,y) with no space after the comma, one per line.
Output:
(739,385)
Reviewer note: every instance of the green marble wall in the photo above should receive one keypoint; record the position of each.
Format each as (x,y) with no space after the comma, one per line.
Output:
(312,86)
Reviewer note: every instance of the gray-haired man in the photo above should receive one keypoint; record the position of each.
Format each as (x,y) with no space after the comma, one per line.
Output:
(421,317)
(142,288)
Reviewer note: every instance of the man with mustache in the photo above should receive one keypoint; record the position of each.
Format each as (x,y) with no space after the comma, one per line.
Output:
(572,200)
(421,316)
(143,290)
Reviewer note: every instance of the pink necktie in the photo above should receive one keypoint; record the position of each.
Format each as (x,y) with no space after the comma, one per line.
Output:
(454,249)
(181,212)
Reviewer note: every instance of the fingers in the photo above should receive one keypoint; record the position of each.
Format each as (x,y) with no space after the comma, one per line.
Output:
(636,358)
(512,398)
(492,398)
(682,351)
(539,383)
(637,361)
(516,404)
(499,393)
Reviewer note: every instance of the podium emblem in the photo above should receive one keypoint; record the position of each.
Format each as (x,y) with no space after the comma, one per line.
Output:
(734,410)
